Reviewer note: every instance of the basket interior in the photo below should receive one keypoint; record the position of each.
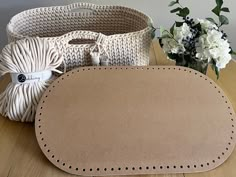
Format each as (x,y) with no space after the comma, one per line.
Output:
(50,23)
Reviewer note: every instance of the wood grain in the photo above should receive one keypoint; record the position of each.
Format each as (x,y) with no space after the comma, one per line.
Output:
(20,155)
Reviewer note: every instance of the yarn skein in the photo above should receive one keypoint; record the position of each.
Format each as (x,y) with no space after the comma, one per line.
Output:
(29,56)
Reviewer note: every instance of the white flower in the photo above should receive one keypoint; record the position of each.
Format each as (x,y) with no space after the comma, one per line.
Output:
(171,46)
(211,46)
(182,32)
(206,24)
(222,61)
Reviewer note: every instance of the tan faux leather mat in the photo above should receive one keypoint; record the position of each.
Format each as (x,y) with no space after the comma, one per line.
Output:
(135,120)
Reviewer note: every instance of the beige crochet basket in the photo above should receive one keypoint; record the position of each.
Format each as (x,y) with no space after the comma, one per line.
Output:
(121,35)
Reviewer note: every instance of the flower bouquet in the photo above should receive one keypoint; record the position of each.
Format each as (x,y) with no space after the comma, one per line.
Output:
(195,43)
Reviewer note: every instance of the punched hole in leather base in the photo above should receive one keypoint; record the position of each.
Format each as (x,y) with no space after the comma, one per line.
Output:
(99,121)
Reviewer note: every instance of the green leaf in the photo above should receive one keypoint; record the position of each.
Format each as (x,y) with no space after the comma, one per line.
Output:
(223,20)
(153,33)
(211,20)
(172,29)
(217,72)
(153,30)
(225,9)
(216,10)
(172,56)
(215,69)
(165,36)
(172,3)
(160,42)
(164,33)
(179,24)
(184,12)
(162,29)
(175,10)
(233,52)
(198,27)
(219,3)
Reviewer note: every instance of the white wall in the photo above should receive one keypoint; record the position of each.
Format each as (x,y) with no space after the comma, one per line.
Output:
(157,9)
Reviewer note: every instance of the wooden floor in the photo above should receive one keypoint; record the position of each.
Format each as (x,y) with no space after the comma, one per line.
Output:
(20,155)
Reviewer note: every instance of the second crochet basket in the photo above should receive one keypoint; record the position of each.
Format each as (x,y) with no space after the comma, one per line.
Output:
(81,31)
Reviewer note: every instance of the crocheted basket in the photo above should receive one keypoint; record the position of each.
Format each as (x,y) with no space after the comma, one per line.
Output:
(119,34)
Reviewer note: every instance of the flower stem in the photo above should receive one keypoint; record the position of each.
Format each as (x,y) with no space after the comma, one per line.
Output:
(220,25)
(180,5)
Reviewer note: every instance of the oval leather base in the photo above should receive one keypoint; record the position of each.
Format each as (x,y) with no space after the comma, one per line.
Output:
(98,121)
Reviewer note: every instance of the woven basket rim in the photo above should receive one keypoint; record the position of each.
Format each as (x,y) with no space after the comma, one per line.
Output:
(10,26)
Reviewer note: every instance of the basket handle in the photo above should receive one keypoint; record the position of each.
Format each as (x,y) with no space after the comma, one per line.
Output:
(81,7)
(89,35)
(96,49)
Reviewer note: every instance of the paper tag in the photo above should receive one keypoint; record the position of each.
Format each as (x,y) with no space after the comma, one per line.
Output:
(25,78)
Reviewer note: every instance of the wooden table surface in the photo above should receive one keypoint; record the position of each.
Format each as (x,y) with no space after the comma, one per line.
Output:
(20,155)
